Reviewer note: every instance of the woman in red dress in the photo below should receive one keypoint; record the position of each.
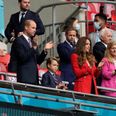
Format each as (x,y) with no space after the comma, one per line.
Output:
(83,63)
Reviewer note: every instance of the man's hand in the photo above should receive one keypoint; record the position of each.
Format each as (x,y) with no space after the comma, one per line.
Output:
(49,45)
(100,65)
(34,44)
(20,33)
(62,86)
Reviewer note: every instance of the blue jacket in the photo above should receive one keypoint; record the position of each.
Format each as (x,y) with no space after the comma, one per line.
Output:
(24,61)
(14,24)
(65,51)
(49,81)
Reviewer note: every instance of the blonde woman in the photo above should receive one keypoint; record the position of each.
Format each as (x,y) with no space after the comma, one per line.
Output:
(109,69)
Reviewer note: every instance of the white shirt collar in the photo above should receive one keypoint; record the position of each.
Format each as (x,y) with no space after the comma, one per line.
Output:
(20,14)
(69,43)
(51,72)
(26,37)
(104,44)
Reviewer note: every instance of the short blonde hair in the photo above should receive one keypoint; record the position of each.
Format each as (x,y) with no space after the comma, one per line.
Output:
(107,53)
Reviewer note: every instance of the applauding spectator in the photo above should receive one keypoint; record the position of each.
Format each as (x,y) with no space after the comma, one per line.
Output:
(83,63)
(109,69)
(50,78)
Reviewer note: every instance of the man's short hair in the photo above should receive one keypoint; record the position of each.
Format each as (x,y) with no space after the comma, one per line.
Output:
(70,29)
(27,23)
(102,16)
(19,1)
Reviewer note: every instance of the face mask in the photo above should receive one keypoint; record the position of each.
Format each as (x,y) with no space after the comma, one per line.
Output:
(97,25)
(77,26)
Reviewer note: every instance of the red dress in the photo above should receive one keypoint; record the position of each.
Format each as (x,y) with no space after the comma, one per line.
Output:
(85,76)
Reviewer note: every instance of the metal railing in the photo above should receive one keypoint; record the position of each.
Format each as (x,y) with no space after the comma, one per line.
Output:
(56,92)
(53,91)
(77,100)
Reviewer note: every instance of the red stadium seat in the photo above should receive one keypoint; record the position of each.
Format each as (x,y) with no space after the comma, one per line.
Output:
(113,15)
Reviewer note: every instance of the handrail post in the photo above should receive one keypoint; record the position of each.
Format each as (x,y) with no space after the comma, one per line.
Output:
(53,26)
(86,18)
(13,92)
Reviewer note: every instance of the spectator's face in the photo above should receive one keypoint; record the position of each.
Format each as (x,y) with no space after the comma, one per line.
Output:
(3,52)
(100,22)
(107,37)
(87,46)
(24,5)
(113,51)
(53,66)
(71,36)
(31,29)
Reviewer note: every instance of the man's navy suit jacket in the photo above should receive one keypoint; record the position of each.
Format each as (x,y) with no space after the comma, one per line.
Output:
(15,26)
(65,51)
(99,51)
(24,60)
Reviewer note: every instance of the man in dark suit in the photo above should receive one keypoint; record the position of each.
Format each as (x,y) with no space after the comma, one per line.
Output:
(100,48)
(99,51)
(65,50)
(25,55)
(15,25)
(50,78)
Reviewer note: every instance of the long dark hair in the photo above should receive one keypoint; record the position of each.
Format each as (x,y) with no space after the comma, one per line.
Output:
(82,56)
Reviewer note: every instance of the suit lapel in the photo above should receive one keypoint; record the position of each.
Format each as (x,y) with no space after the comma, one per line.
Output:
(25,41)
(17,18)
(68,46)
(27,16)
(52,78)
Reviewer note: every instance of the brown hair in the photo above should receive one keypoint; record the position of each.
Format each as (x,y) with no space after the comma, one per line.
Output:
(19,1)
(82,55)
(72,29)
(49,60)
(107,53)
(69,23)
(27,23)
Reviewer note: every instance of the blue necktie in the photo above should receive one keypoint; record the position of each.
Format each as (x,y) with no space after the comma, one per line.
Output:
(55,78)
(22,17)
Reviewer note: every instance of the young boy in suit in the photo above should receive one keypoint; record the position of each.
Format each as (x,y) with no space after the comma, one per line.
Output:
(50,78)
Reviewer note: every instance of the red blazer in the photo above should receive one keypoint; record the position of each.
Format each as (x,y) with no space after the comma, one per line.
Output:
(85,76)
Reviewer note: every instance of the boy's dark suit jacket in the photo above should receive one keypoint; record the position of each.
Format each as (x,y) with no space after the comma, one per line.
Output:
(49,81)
(16,26)
(24,60)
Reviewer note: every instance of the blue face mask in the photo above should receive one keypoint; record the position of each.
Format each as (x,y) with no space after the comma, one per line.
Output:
(97,25)
(77,26)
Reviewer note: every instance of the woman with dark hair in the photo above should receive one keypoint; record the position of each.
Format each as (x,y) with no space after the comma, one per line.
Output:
(83,63)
